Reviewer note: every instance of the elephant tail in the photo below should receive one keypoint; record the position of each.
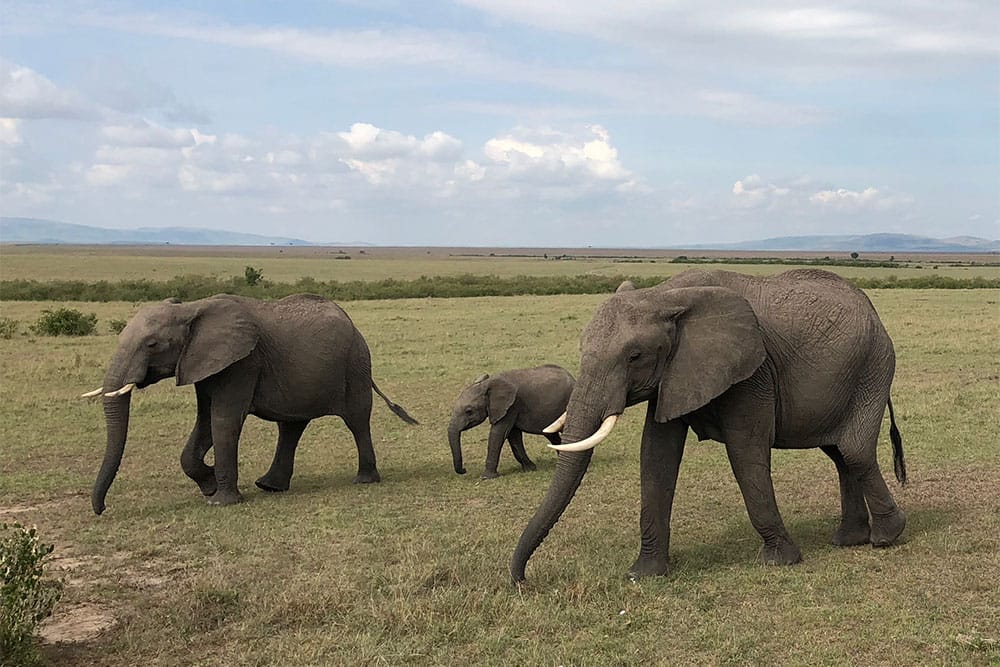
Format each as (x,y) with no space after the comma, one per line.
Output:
(898,462)
(397,409)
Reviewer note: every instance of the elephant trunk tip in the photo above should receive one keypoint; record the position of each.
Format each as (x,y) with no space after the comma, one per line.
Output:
(98,506)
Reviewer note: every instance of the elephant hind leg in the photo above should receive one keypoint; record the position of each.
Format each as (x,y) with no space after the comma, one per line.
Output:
(279,476)
(358,420)
(859,451)
(854,528)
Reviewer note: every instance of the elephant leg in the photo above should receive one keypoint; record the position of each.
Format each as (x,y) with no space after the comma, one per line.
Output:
(231,393)
(659,462)
(279,476)
(198,444)
(516,440)
(358,420)
(887,520)
(554,438)
(498,433)
(750,459)
(854,528)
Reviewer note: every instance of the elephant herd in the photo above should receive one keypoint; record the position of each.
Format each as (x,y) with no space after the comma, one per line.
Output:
(792,361)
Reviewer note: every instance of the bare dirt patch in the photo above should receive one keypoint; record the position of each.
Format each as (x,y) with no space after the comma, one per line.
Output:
(76,623)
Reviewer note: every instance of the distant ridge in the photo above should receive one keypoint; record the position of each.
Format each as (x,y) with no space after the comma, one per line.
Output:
(862,243)
(33,230)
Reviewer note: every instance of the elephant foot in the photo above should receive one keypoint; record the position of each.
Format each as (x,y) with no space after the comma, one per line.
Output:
(225,498)
(368,477)
(887,529)
(649,566)
(208,486)
(489,474)
(784,552)
(529,467)
(851,535)
(272,483)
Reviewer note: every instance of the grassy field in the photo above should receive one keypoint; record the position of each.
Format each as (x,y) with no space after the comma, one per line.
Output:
(414,570)
(288,265)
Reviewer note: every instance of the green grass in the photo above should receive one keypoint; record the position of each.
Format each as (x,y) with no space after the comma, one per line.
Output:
(414,570)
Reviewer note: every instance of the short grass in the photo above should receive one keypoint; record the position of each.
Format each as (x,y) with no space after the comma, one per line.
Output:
(89,264)
(414,570)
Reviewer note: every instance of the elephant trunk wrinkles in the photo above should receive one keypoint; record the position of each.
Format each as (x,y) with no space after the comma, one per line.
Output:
(569,473)
(455,441)
(116,414)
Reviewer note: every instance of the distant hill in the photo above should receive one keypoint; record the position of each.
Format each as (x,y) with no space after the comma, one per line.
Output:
(33,230)
(863,243)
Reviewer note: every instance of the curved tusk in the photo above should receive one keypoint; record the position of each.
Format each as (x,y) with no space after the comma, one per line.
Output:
(592,441)
(119,392)
(557,425)
(91,394)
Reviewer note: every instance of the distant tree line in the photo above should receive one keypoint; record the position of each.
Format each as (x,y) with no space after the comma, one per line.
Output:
(190,287)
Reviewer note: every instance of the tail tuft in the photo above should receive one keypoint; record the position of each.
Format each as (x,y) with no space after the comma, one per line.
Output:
(396,409)
(898,462)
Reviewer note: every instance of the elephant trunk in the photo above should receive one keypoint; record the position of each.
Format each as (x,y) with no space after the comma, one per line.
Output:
(569,473)
(116,414)
(455,441)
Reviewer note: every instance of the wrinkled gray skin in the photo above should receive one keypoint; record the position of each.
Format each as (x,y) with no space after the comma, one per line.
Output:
(519,401)
(792,361)
(287,361)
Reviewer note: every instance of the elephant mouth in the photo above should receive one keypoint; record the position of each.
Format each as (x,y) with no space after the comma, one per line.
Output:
(640,395)
(154,374)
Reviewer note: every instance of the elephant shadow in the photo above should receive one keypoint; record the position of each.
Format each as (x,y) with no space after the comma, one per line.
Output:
(737,544)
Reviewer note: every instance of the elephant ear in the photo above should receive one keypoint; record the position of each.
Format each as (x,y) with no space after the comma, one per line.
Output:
(718,342)
(219,335)
(500,396)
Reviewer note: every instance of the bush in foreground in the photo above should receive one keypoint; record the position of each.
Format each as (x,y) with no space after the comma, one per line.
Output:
(25,599)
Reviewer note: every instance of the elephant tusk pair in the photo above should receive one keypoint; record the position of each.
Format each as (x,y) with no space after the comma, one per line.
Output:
(557,425)
(91,394)
(592,441)
(111,394)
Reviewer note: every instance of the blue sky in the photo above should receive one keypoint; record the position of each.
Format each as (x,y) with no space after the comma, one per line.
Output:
(504,122)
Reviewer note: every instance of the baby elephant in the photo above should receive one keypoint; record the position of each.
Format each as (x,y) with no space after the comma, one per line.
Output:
(525,400)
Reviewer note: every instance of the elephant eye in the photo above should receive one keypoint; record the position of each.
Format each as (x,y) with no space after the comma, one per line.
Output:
(634,355)
(151,343)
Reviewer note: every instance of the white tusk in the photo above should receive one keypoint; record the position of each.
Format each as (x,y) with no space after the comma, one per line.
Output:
(119,392)
(557,425)
(91,394)
(592,441)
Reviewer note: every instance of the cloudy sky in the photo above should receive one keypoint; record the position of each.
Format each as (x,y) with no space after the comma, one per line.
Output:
(504,122)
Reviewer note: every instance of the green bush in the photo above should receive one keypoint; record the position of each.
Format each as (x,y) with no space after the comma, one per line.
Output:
(252,276)
(116,326)
(65,322)
(8,327)
(25,599)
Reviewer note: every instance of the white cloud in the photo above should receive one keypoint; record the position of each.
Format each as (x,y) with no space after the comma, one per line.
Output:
(751,192)
(24,93)
(9,133)
(549,154)
(847,200)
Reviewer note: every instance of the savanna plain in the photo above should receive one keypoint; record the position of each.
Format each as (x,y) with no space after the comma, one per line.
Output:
(414,570)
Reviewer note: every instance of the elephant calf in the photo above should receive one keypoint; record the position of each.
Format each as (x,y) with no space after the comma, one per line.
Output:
(525,400)
(288,361)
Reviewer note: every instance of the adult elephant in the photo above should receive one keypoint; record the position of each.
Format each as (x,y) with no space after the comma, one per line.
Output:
(523,400)
(287,361)
(792,361)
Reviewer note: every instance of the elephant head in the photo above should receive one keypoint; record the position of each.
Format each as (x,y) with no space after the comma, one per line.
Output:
(679,347)
(191,341)
(486,397)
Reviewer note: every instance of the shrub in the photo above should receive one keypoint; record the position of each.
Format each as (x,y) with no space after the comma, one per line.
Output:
(65,322)
(252,275)
(8,327)
(116,326)
(25,599)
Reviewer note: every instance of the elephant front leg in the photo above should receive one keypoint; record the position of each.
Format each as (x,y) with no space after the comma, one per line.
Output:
(498,433)
(198,444)
(659,462)
(516,440)
(279,476)
(226,435)
(751,462)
